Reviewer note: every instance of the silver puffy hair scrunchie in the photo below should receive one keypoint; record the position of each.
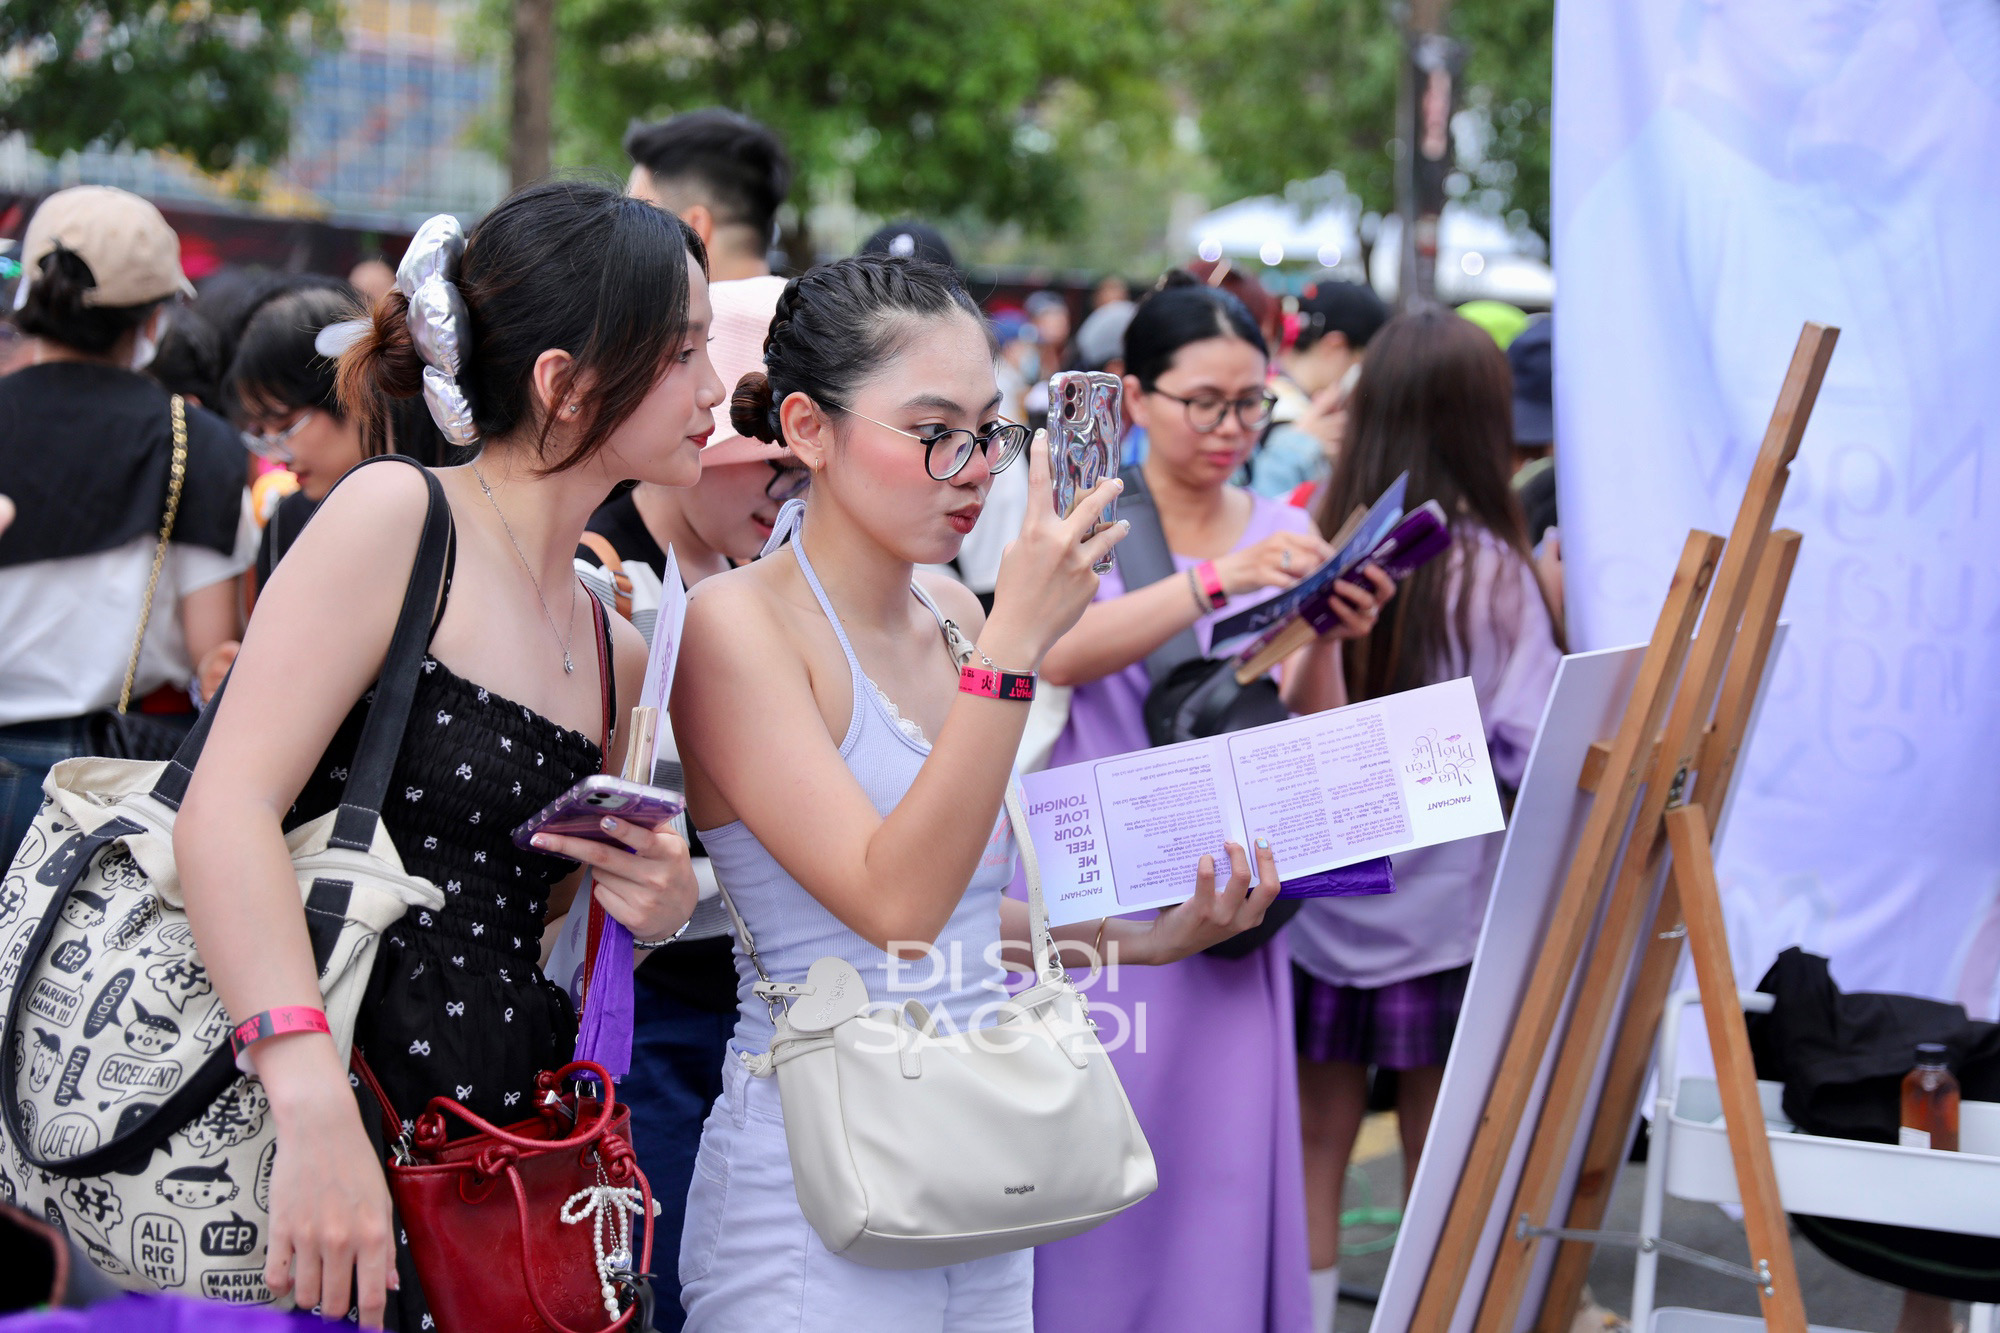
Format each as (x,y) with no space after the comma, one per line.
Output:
(439,322)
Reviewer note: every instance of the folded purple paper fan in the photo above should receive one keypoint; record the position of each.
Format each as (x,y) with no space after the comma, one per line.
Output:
(1358,880)
(604,1028)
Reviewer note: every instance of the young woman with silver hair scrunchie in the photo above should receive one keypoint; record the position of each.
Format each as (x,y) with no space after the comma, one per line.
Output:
(566,338)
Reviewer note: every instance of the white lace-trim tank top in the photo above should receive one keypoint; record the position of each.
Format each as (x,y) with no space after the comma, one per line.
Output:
(884,751)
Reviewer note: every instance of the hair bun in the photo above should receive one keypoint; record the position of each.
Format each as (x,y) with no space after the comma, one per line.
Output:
(751,410)
(382,363)
(384,357)
(1177,277)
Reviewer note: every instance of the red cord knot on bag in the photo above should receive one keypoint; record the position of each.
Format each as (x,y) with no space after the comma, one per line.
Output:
(495,1158)
(430,1133)
(621,1164)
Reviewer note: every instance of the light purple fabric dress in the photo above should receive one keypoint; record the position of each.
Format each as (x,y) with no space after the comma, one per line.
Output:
(1431,922)
(1222,1244)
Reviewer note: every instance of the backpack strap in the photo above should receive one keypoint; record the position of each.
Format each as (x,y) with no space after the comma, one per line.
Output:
(621,582)
(1144,558)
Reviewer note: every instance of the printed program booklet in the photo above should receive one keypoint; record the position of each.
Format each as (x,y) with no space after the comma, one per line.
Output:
(1328,789)
(1233,632)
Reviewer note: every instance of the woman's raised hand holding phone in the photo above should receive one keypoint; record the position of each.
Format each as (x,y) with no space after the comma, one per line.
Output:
(1045,578)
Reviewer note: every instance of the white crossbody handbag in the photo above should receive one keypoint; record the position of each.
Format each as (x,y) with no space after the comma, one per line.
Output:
(913,1148)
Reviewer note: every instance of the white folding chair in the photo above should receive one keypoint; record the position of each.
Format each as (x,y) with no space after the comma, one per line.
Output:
(1689,1158)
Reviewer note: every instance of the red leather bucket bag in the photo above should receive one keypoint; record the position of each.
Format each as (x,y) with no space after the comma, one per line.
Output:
(527,1228)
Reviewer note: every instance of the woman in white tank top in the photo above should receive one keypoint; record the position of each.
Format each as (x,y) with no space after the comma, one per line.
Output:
(849,792)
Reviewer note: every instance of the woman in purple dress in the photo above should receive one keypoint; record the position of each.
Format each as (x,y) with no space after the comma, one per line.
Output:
(1204,1046)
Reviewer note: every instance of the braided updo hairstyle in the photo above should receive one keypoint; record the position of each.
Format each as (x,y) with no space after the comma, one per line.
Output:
(564,264)
(835,327)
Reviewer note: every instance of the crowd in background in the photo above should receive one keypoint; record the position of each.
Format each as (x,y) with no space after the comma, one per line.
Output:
(1257,422)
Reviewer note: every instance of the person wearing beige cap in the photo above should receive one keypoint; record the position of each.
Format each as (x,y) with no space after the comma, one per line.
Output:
(87,448)
(725,176)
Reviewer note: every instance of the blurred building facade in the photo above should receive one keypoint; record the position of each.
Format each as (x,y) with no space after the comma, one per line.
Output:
(385,131)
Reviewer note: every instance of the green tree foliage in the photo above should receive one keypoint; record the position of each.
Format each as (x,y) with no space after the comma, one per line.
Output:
(1289,89)
(926,107)
(212,80)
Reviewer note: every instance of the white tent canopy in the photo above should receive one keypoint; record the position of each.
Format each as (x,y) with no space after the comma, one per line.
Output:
(1274,230)
(1477,255)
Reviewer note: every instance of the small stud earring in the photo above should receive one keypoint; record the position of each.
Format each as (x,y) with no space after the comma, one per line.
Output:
(573,409)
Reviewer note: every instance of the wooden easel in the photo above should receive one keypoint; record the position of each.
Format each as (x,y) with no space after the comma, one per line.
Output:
(1703,688)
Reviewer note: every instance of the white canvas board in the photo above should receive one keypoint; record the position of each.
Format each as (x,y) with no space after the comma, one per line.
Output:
(1585,705)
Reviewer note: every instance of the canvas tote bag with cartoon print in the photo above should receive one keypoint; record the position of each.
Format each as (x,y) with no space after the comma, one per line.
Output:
(127,1123)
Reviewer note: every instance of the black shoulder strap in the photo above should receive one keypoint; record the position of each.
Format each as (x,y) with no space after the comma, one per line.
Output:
(395,688)
(1143,558)
(607,670)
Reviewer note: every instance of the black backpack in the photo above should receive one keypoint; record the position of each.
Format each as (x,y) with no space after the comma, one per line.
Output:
(1192,696)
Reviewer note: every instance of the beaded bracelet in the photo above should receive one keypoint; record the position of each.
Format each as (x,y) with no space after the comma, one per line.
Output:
(1201,605)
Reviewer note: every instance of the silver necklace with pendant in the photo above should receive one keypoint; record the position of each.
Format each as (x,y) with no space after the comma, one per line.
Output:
(569,666)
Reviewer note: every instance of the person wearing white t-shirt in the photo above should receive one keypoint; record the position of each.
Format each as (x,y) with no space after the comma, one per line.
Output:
(86,448)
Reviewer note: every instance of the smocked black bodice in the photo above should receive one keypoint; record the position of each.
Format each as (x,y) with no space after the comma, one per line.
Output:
(472,767)
(457,1005)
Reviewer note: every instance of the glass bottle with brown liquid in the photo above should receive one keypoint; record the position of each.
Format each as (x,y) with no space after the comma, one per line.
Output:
(1930,1102)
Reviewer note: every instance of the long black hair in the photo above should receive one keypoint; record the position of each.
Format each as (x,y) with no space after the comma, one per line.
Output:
(1435,399)
(835,326)
(564,264)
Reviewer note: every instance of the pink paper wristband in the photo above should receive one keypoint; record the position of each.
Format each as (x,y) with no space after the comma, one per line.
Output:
(273,1023)
(1211,584)
(1018,686)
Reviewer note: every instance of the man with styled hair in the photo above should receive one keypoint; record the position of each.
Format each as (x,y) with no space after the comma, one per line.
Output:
(724,174)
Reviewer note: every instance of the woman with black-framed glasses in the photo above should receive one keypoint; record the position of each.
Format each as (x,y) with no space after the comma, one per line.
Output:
(946,452)
(1223,1242)
(846,767)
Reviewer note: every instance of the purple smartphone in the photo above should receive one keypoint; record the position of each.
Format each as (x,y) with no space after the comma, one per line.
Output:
(575,813)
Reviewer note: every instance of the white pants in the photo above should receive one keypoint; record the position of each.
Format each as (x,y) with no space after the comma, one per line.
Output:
(750,1263)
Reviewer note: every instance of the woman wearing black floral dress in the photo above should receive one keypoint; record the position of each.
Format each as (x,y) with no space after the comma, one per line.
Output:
(457,1003)
(570,345)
